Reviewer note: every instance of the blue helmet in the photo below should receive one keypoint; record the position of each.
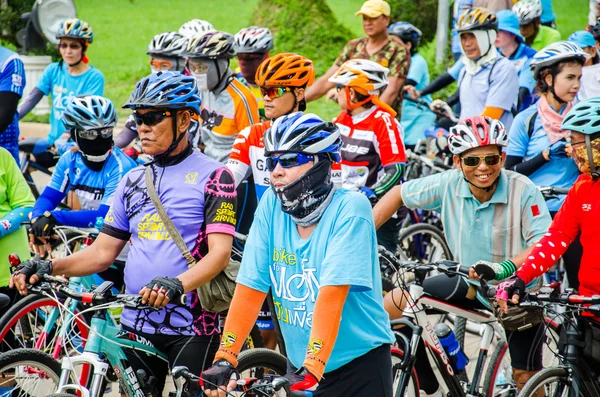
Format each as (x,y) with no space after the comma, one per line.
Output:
(584,117)
(167,90)
(508,22)
(560,51)
(407,33)
(583,39)
(303,133)
(75,29)
(89,112)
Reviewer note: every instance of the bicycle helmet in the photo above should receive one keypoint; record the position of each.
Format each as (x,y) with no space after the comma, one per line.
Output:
(303,133)
(290,70)
(595,30)
(169,44)
(584,117)
(212,45)
(89,112)
(165,90)
(252,40)
(75,29)
(195,27)
(477,19)
(407,33)
(477,131)
(555,53)
(527,10)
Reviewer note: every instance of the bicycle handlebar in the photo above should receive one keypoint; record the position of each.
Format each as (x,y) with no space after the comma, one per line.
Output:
(450,268)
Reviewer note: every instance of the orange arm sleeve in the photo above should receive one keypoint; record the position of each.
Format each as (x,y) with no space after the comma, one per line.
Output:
(325,326)
(494,113)
(242,315)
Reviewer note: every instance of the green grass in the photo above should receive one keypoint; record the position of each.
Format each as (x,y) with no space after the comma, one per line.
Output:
(124,28)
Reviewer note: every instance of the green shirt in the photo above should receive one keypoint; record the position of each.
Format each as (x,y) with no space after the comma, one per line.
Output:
(14,193)
(545,36)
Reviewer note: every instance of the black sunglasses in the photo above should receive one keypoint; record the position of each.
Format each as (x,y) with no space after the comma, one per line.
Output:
(473,161)
(150,118)
(72,46)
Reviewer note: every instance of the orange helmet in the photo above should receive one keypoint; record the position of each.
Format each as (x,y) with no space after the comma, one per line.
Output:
(290,70)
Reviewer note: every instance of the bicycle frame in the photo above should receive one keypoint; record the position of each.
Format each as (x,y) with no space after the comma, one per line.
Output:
(415,313)
(101,334)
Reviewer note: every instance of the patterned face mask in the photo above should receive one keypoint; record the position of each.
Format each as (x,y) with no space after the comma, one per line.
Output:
(580,155)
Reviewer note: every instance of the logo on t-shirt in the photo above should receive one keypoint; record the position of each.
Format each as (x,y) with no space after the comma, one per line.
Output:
(586,207)
(17,80)
(191,178)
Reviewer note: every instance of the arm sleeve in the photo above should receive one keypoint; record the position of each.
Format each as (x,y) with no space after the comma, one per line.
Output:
(48,201)
(9,101)
(453,99)
(440,82)
(34,97)
(504,87)
(83,218)
(393,175)
(410,82)
(45,82)
(455,69)
(18,194)
(523,94)
(220,202)
(11,222)
(516,163)
(127,135)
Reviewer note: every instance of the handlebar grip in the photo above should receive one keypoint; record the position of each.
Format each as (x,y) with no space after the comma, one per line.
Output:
(464,269)
(484,271)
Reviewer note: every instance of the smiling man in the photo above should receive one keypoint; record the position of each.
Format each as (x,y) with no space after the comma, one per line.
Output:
(378,47)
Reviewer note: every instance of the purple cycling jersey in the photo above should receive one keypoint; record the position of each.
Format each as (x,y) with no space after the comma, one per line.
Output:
(199,197)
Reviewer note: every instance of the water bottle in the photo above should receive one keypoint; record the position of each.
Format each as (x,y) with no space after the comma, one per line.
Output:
(451,346)
(99,223)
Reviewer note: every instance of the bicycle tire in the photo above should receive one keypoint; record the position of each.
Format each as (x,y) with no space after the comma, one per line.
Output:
(413,385)
(420,251)
(49,371)
(262,358)
(543,377)
(254,340)
(16,315)
(493,371)
(460,327)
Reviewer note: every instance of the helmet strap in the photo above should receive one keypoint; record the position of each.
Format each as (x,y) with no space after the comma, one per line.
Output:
(588,147)
(175,142)
(485,189)
(351,106)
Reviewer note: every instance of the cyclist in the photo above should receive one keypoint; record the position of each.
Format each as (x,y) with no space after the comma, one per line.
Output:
(536,35)
(283,79)
(372,153)
(90,173)
(65,79)
(577,215)
(195,27)
(252,46)
(12,84)
(590,78)
(586,41)
(166,53)
(477,201)
(415,120)
(228,106)
(193,189)
(537,142)
(458,8)
(305,229)
(377,47)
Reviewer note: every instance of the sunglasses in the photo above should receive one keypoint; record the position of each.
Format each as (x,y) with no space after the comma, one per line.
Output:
(197,67)
(249,57)
(73,46)
(161,64)
(274,92)
(473,161)
(150,118)
(288,160)
(90,135)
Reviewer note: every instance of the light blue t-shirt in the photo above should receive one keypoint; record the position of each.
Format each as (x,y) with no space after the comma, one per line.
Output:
(12,79)
(59,83)
(342,250)
(499,90)
(415,119)
(561,172)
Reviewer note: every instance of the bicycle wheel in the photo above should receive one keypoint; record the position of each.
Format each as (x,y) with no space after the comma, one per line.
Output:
(256,363)
(423,242)
(254,340)
(29,373)
(498,375)
(554,381)
(21,327)
(412,389)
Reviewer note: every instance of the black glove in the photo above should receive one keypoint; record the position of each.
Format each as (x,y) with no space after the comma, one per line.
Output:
(510,287)
(218,375)
(170,287)
(34,266)
(43,226)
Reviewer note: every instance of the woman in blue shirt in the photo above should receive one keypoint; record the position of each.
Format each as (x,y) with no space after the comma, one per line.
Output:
(69,77)
(536,141)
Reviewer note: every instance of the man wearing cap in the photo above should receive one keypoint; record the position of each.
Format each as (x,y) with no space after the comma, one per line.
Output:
(379,47)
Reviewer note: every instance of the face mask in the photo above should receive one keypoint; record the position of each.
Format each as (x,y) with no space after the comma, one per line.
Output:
(306,198)
(202,80)
(580,155)
(95,152)
(154,70)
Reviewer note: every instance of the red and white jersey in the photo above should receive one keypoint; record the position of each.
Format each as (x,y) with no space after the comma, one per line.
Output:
(371,140)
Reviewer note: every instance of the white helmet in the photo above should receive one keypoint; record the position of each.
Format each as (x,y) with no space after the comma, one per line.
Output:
(253,39)
(555,53)
(167,44)
(368,76)
(527,10)
(195,27)
(476,131)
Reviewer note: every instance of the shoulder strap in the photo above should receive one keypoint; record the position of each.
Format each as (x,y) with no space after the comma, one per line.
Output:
(530,124)
(167,221)
(492,71)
